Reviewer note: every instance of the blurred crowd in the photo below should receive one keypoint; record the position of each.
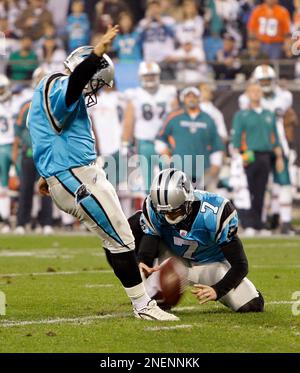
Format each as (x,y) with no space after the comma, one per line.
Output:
(163,46)
(192,40)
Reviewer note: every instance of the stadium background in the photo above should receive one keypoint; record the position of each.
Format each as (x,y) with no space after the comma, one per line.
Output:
(61,294)
(221,25)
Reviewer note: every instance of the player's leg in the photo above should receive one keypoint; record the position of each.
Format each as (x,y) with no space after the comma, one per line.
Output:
(27,179)
(244,294)
(146,150)
(86,194)
(282,182)
(5,163)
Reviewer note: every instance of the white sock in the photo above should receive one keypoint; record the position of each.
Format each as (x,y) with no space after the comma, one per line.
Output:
(138,296)
(4,204)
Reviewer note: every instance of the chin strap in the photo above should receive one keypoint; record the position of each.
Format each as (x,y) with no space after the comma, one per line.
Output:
(92,95)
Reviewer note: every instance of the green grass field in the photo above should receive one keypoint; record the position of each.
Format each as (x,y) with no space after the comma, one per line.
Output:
(63,297)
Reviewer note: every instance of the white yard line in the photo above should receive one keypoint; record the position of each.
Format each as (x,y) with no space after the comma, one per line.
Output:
(91,318)
(58,273)
(62,320)
(158,328)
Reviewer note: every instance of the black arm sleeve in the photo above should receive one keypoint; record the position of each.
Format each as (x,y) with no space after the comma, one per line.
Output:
(234,253)
(80,77)
(148,249)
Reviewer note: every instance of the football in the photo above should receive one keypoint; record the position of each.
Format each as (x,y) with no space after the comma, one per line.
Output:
(173,278)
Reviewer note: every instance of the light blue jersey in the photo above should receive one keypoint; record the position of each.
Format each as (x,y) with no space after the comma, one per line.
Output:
(214,224)
(61,136)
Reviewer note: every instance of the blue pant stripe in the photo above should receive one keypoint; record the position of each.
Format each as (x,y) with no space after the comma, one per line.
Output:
(90,206)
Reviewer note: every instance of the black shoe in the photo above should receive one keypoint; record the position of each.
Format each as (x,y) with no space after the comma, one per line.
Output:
(287,229)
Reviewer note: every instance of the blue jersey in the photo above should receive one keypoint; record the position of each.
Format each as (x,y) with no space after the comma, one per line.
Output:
(128,47)
(215,223)
(78,28)
(61,135)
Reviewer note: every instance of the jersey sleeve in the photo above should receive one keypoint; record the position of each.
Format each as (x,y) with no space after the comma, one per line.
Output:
(275,137)
(236,132)
(20,123)
(166,130)
(215,139)
(227,223)
(55,89)
(147,219)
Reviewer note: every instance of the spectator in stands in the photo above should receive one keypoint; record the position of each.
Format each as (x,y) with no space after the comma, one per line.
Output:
(228,63)
(11,43)
(108,12)
(290,69)
(192,24)
(252,56)
(51,56)
(170,11)
(10,10)
(59,10)
(127,44)
(31,21)
(270,23)
(189,61)
(78,26)
(23,62)
(254,134)
(296,15)
(157,36)
(246,8)
(29,174)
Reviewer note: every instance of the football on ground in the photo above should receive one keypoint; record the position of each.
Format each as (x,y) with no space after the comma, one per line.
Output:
(62,296)
(173,279)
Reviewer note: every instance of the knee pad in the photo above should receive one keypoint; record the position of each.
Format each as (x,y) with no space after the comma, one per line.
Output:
(255,305)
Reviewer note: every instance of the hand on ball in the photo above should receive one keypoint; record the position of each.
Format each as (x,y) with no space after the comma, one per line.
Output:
(204,293)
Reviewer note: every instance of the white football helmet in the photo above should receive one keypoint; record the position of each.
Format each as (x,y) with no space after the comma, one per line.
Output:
(149,74)
(103,76)
(5,89)
(266,77)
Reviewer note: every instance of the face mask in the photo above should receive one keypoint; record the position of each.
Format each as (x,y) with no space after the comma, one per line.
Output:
(175,221)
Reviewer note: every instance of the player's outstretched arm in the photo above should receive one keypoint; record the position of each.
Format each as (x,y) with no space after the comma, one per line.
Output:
(106,40)
(87,68)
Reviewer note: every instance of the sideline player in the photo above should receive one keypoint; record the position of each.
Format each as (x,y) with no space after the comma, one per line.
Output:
(279,101)
(144,115)
(8,112)
(201,229)
(64,153)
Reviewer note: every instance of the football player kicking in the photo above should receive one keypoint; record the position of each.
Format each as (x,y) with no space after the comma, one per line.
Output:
(64,154)
(201,228)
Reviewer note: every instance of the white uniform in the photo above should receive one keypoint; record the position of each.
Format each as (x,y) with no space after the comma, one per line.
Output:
(217,116)
(8,113)
(150,109)
(107,118)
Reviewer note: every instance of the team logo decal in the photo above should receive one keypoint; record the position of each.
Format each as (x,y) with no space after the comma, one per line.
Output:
(81,193)
(183,233)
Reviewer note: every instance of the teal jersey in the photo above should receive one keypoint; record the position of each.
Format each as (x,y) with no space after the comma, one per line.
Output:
(256,131)
(61,135)
(187,136)
(214,225)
